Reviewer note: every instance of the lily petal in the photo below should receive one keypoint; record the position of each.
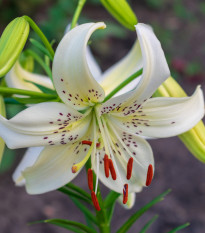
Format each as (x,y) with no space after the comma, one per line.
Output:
(28,160)
(122,70)
(56,124)
(71,74)
(20,78)
(164,117)
(155,72)
(52,169)
(130,203)
(126,146)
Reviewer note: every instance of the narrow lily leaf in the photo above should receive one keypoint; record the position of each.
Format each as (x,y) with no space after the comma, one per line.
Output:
(110,211)
(44,89)
(126,226)
(111,198)
(8,90)
(12,43)
(71,228)
(41,48)
(85,210)
(40,62)
(148,224)
(32,100)
(3,113)
(73,194)
(78,190)
(66,224)
(122,12)
(179,228)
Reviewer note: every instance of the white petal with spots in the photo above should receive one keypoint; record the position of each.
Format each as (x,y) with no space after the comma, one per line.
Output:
(71,74)
(155,72)
(52,169)
(164,117)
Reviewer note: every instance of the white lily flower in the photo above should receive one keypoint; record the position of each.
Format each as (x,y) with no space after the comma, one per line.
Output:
(20,78)
(109,132)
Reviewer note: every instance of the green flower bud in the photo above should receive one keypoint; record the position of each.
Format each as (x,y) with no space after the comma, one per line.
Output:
(194,139)
(122,12)
(12,42)
(3,113)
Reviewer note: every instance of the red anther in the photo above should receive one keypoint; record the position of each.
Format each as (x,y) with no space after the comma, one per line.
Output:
(95,201)
(112,170)
(106,165)
(90,179)
(89,143)
(97,144)
(129,168)
(125,194)
(149,175)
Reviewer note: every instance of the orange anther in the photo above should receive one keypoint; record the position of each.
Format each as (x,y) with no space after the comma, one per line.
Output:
(74,169)
(129,168)
(125,194)
(112,170)
(149,175)
(106,165)
(90,179)
(95,201)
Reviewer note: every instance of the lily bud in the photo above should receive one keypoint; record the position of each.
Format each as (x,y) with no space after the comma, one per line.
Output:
(194,139)
(3,113)
(12,42)
(122,12)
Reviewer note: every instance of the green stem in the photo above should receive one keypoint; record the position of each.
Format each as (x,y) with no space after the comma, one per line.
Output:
(8,90)
(40,34)
(123,84)
(78,10)
(40,62)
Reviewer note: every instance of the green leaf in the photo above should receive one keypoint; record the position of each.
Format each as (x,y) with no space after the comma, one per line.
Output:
(110,199)
(9,90)
(110,212)
(41,48)
(148,224)
(32,100)
(67,224)
(179,228)
(85,210)
(40,62)
(122,12)
(125,227)
(78,190)
(74,194)
(12,43)
(43,88)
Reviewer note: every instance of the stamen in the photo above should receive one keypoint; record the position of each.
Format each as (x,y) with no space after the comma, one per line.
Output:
(106,165)
(89,143)
(95,201)
(76,167)
(149,175)
(125,194)
(129,168)
(112,170)
(90,179)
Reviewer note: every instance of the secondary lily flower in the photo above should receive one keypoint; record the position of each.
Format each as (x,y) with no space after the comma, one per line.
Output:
(20,78)
(109,132)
